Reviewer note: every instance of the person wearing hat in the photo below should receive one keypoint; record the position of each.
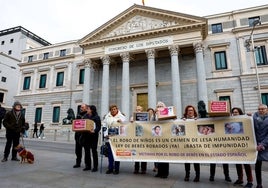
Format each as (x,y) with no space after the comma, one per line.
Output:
(14,122)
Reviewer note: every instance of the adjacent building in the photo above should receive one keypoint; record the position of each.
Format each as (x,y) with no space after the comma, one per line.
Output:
(145,55)
(12,42)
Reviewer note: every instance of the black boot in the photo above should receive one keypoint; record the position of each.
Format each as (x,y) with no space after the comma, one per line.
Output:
(76,166)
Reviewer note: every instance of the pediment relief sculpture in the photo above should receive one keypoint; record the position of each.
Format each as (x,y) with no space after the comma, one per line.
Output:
(139,23)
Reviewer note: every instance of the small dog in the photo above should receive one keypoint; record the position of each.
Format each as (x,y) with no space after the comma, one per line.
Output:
(26,156)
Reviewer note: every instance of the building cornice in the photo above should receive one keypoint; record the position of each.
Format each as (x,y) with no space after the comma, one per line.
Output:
(248,29)
(64,58)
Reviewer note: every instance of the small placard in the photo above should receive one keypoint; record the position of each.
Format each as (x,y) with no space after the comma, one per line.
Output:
(83,125)
(167,113)
(141,116)
(218,108)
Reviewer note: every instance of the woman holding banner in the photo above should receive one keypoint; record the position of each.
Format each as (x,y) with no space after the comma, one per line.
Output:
(190,113)
(239,168)
(137,165)
(163,168)
(152,115)
(111,120)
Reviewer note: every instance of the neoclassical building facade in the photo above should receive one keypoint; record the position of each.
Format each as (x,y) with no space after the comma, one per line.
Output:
(145,55)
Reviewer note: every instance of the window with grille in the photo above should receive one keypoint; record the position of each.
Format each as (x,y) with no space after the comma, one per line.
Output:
(216,28)
(60,79)
(43,80)
(261,56)
(38,115)
(63,53)
(26,83)
(220,60)
(56,114)
(81,76)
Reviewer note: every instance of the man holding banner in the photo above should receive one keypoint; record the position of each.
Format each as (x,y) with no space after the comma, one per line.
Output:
(260,119)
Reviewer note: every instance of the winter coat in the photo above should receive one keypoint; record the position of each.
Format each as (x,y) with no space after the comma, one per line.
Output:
(111,122)
(261,134)
(2,112)
(14,123)
(97,122)
(89,137)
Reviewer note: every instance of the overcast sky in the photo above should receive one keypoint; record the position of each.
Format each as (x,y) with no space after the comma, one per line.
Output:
(64,20)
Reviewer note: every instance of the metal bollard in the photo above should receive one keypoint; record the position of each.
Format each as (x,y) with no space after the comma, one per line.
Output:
(31,133)
(68,136)
(55,135)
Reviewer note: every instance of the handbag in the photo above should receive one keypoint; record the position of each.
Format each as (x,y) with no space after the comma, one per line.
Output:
(104,150)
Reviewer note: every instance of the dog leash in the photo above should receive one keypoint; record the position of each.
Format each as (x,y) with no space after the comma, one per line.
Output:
(21,136)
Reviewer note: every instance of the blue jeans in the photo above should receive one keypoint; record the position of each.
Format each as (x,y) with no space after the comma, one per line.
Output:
(112,164)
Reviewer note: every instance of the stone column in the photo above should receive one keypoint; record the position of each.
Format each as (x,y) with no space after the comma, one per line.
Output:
(175,77)
(105,86)
(35,84)
(69,76)
(87,81)
(151,78)
(51,78)
(125,84)
(201,74)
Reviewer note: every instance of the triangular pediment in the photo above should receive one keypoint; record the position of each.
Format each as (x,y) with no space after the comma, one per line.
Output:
(141,21)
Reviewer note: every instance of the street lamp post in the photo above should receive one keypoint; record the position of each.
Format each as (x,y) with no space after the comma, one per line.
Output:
(256,22)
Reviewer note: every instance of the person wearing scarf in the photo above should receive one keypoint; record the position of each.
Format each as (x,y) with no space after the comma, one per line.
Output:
(14,122)
(260,119)
(111,121)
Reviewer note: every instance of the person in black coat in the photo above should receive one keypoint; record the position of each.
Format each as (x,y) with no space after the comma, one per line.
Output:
(35,130)
(91,139)
(78,138)
(2,115)
(14,122)
(41,131)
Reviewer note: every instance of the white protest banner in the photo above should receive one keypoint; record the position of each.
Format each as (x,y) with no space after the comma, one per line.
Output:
(208,140)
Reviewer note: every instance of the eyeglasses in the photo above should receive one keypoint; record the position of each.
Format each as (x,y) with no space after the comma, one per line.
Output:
(262,108)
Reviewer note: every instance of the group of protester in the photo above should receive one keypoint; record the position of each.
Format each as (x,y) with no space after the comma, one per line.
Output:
(115,117)
(14,122)
(261,132)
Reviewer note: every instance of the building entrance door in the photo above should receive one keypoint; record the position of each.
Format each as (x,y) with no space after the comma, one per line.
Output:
(142,100)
